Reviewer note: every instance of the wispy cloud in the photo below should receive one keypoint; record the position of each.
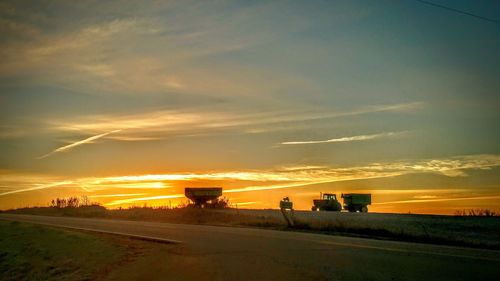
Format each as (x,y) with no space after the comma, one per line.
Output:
(141,199)
(302,167)
(139,185)
(271,187)
(439,200)
(81,53)
(75,144)
(397,191)
(155,125)
(116,195)
(306,175)
(346,139)
(246,203)
(261,180)
(38,187)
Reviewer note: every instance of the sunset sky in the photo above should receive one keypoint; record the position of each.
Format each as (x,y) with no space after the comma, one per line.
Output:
(128,102)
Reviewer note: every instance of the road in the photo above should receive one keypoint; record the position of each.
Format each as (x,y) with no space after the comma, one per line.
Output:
(229,253)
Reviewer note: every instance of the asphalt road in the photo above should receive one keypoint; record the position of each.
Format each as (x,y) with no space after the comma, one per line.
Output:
(228,253)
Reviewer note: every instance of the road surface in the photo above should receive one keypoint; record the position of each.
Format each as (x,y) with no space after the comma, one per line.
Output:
(228,253)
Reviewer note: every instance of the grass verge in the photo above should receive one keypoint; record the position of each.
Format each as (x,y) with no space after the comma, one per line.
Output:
(32,252)
(36,252)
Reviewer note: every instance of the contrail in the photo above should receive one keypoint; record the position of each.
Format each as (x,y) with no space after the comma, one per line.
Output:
(345,139)
(67,147)
(37,187)
(132,200)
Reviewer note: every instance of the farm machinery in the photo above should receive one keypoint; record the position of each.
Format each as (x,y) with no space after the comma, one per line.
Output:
(353,202)
(200,196)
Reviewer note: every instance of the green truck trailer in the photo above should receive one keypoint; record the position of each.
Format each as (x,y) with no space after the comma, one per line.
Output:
(353,202)
(357,202)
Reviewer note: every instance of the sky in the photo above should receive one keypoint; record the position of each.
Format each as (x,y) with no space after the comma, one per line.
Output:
(128,102)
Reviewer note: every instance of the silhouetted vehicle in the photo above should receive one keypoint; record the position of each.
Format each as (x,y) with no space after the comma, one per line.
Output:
(328,202)
(353,202)
(285,203)
(357,202)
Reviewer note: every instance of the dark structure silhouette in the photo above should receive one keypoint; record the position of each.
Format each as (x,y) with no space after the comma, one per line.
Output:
(353,202)
(201,195)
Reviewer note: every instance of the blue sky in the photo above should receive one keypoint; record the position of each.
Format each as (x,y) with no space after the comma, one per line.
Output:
(367,89)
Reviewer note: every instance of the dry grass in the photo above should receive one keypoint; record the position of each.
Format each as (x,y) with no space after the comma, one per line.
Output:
(32,252)
(483,232)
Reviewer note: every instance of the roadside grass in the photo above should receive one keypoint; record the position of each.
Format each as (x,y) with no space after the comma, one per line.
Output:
(479,232)
(224,217)
(93,211)
(35,252)
(32,252)
(404,233)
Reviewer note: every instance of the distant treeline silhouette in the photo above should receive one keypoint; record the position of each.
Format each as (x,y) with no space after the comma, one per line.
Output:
(83,201)
(72,202)
(476,213)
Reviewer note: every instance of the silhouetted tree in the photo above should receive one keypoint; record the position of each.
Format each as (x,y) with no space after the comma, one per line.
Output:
(73,202)
(85,201)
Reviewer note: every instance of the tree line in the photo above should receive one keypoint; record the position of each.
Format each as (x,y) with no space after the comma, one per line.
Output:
(72,202)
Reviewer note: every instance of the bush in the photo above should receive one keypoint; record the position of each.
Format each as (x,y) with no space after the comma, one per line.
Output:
(219,203)
(72,202)
(476,213)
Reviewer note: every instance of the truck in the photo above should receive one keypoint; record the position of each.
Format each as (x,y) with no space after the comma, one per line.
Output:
(353,202)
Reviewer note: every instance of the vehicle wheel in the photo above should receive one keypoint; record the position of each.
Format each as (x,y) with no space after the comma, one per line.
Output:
(364,209)
(314,209)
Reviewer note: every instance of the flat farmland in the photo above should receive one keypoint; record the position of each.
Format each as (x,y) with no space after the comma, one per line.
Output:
(479,232)
(471,231)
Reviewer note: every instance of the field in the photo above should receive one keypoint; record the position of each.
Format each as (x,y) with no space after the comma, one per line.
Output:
(448,230)
(34,252)
(480,232)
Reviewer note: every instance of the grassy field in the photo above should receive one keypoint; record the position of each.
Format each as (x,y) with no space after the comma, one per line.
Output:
(33,252)
(30,252)
(481,232)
